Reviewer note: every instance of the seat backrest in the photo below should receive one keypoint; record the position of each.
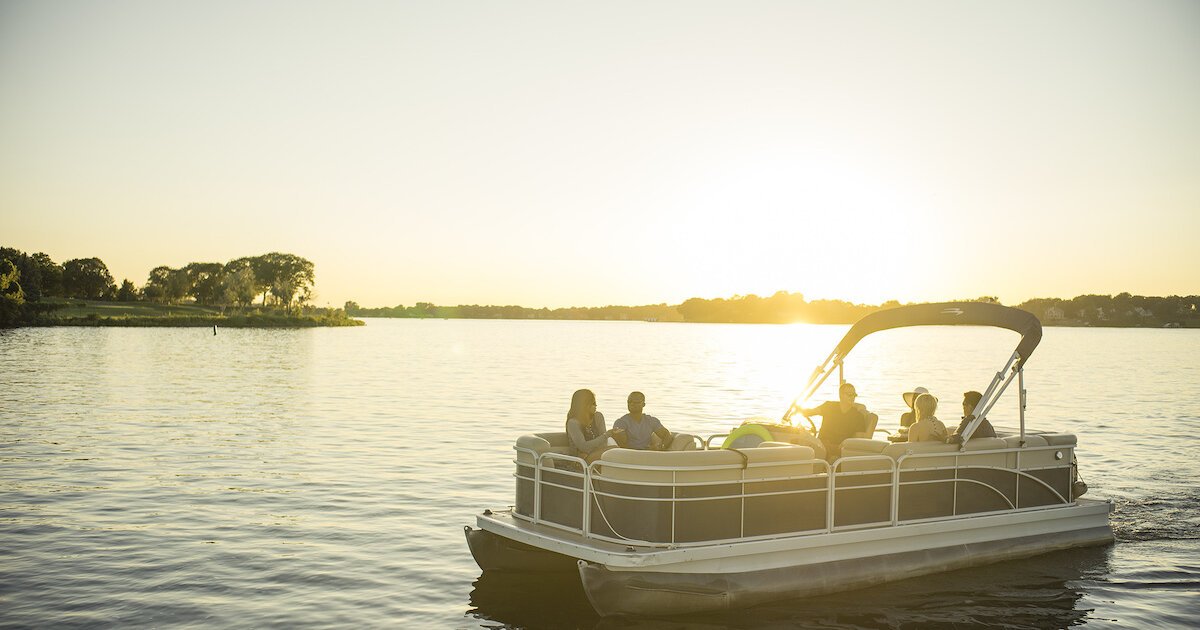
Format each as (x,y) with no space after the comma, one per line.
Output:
(862,447)
(1060,439)
(555,438)
(682,442)
(532,442)
(1043,458)
(872,422)
(668,466)
(996,460)
(900,449)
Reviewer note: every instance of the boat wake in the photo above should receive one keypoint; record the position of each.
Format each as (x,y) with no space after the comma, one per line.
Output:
(1168,517)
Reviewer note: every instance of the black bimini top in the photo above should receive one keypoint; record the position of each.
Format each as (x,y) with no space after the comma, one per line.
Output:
(949,314)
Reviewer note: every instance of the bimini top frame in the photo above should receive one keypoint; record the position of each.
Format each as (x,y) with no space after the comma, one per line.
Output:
(940,314)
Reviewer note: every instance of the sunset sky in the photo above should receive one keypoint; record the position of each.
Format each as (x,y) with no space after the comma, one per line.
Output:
(569,153)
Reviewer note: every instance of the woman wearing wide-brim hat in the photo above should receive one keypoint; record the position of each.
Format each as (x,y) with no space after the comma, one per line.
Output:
(908,417)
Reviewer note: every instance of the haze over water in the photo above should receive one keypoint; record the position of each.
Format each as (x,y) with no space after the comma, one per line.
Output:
(169,477)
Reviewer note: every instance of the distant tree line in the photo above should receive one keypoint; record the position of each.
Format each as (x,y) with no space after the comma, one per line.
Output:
(1122,309)
(784,307)
(656,312)
(281,280)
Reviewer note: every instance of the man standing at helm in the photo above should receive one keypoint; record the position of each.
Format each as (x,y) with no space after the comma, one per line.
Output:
(840,419)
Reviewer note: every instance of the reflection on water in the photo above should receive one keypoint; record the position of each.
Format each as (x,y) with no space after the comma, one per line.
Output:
(531,600)
(1042,592)
(164,477)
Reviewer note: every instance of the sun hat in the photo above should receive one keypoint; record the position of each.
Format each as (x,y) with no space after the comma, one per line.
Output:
(909,397)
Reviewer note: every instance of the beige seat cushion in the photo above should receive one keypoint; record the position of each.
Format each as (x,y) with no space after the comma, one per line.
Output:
(665,466)
(555,438)
(996,460)
(1060,439)
(537,443)
(904,449)
(863,446)
(680,442)
(1014,441)
(872,422)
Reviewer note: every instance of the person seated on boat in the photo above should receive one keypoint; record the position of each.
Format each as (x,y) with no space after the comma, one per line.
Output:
(927,428)
(985,428)
(585,427)
(637,430)
(840,419)
(908,418)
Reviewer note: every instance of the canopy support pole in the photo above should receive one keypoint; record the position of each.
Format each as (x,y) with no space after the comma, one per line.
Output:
(1021,391)
(818,377)
(991,396)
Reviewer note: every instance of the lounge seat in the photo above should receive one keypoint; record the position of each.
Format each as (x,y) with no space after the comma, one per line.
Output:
(724,475)
(872,422)
(855,447)
(679,441)
(557,442)
(1042,458)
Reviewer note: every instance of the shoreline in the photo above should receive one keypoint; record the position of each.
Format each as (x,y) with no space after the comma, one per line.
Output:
(1186,326)
(194,322)
(92,314)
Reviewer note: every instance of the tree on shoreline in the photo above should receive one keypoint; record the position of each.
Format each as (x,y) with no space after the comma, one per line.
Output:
(12,297)
(51,275)
(127,292)
(239,287)
(88,279)
(291,277)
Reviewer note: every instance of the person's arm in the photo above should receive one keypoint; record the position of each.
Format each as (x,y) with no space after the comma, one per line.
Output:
(812,411)
(916,432)
(620,432)
(575,435)
(664,436)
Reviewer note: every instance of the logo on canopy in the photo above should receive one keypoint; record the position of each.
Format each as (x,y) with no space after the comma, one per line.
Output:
(952,311)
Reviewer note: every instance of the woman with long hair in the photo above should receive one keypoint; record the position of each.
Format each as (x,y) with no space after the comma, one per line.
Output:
(927,428)
(585,426)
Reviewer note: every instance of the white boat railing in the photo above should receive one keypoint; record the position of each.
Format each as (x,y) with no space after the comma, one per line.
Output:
(592,498)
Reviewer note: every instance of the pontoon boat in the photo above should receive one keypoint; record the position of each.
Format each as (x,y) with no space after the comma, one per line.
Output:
(701,527)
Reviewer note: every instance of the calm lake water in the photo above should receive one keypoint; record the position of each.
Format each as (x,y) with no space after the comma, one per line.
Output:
(170,477)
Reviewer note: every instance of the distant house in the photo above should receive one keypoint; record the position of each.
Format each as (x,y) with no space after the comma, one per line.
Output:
(1054,314)
(1142,312)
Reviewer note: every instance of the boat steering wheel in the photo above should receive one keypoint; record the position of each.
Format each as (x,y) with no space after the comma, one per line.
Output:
(791,414)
